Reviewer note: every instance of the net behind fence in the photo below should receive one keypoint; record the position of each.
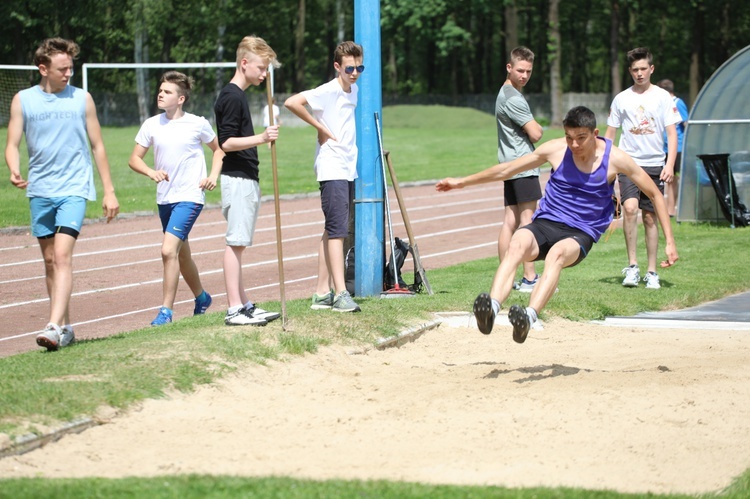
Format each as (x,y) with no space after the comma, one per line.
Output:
(12,80)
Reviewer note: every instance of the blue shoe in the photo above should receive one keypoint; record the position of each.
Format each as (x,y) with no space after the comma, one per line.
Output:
(163,317)
(202,303)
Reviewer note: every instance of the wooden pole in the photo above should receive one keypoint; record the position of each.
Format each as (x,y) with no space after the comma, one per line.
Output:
(279,251)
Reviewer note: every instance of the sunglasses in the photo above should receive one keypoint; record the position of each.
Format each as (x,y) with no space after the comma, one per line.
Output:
(350,69)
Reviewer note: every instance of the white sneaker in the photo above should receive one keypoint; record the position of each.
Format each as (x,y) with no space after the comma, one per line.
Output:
(267,316)
(243,318)
(50,337)
(67,336)
(652,280)
(632,276)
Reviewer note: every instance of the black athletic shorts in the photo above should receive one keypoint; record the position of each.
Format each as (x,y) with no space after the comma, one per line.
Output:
(547,233)
(628,190)
(335,199)
(522,190)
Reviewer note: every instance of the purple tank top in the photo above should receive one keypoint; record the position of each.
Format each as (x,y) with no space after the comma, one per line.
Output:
(577,199)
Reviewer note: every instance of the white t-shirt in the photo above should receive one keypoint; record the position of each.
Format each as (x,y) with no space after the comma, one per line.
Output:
(643,118)
(178,150)
(266,120)
(334,108)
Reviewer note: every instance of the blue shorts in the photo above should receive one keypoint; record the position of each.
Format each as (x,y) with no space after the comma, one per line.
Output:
(62,214)
(335,198)
(178,218)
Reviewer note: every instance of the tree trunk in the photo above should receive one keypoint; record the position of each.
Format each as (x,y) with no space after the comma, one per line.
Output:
(555,55)
(220,31)
(392,68)
(299,49)
(614,38)
(140,55)
(695,51)
(340,22)
(511,27)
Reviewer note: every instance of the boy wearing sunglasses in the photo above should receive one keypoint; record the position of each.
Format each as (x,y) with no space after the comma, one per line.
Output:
(335,166)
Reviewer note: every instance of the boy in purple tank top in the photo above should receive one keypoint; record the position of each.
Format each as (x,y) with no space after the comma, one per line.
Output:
(584,166)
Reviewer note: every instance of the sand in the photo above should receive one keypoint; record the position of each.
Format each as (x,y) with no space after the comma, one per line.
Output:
(577,405)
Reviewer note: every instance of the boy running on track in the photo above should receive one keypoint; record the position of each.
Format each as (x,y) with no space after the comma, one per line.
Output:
(573,214)
(60,123)
(240,191)
(180,175)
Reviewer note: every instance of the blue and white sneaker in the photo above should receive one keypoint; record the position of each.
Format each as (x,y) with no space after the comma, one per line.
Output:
(163,317)
(526,286)
(202,303)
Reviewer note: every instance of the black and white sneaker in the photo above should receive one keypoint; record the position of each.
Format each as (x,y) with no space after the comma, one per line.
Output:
(259,313)
(484,313)
(243,318)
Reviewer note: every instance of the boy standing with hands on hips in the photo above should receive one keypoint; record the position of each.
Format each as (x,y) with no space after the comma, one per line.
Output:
(333,105)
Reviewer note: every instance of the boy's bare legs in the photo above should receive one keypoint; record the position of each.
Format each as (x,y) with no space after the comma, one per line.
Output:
(333,261)
(324,284)
(562,254)
(671,188)
(516,216)
(57,253)
(177,259)
(189,270)
(651,226)
(170,249)
(522,248)
(630,228)
(236,296)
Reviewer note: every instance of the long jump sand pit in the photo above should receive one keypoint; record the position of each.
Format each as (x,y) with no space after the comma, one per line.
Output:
(577,405)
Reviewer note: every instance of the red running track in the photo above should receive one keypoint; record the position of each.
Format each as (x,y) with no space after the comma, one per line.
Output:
(117,283)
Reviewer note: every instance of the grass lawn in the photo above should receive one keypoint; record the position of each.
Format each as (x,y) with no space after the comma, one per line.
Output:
(123,369)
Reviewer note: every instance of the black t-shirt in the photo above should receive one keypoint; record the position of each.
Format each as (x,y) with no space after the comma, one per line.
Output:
(233,120)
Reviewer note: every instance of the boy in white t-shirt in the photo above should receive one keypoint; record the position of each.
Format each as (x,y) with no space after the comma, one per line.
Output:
(180,175)
(333,106)
(645,112)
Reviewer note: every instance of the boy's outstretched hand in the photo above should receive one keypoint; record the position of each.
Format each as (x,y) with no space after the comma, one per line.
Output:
(448,183)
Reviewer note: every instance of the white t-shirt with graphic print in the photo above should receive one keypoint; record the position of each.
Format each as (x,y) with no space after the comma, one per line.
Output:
(643,119)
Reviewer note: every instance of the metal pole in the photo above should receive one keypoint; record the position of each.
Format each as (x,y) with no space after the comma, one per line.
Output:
(369,234)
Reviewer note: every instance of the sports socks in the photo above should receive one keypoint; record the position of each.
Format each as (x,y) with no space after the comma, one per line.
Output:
(496,307)
(532,315)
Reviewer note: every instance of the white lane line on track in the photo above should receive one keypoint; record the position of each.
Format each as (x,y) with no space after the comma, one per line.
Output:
(285,241)
(143,310)
(159,280)
(220,235)
(249,265)
(287,214)
(290,281)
